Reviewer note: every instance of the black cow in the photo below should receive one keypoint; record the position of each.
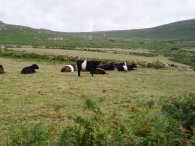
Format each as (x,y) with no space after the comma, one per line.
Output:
(69,68)
(29,69)
(131,66)
(87,65)
(99,71)
(1,69)
(109,66)
(121,66)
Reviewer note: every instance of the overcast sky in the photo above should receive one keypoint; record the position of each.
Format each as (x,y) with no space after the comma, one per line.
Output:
(94,15)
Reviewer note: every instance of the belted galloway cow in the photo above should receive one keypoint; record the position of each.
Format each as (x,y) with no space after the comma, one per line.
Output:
(87,65)
(68,68)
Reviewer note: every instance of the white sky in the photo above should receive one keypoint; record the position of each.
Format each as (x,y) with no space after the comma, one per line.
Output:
(94,15)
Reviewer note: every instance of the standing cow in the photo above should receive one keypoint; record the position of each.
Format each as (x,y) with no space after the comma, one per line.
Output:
(1,69)
(87,65)
(29,69)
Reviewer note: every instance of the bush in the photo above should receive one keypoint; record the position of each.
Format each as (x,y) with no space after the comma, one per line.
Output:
(157,64)
(148,128)
(36,135)
(181,109)
(144,127)
(95,130)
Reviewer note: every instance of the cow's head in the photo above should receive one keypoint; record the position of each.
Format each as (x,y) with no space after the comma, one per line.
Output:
(35,66)
(134,65)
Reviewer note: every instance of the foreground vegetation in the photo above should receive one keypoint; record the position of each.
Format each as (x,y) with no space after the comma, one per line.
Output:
(41,108)
(172,125)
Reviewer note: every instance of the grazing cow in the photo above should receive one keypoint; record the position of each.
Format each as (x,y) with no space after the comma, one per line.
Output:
(99,71)
(68,68)
(1,69)
(86,65)
(109,66)
(131,66)
(29,69)
(121,66)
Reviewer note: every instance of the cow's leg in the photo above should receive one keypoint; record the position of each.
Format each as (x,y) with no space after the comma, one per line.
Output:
(79,71)
(91,72)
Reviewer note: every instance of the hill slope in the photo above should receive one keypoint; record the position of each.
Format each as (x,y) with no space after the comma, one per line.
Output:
(21,35)
(182,30)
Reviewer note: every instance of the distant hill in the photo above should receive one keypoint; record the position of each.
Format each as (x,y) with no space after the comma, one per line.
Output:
(22,35)
(182,30)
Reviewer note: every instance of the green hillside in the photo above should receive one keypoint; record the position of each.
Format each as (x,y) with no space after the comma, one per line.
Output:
(182,30)
(21,35)
(161,40)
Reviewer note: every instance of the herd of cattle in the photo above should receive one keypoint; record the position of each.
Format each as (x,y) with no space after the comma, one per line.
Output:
(94,67)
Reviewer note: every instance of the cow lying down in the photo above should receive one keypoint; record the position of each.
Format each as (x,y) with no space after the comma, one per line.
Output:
(125,67)
(99,71)
(109,66)
(69,68)
(29,69)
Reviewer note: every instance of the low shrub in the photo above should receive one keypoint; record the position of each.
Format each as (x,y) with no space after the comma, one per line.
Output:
(181,109)
(95,130)
(39,134)
(157,64)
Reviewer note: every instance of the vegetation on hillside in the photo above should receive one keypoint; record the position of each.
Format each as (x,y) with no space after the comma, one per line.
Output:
(20,35)
(159,39)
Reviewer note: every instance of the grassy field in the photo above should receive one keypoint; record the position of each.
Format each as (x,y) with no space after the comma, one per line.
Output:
(99,55)
(50,96)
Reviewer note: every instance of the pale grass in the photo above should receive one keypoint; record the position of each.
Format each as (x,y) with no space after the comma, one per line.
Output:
(131,50)
(50,96)
(96,55)
(192,49)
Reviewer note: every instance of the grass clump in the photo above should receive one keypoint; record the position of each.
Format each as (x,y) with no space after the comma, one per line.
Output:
(36,135)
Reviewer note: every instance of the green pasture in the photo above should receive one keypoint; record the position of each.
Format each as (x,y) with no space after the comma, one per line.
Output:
(50,96)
